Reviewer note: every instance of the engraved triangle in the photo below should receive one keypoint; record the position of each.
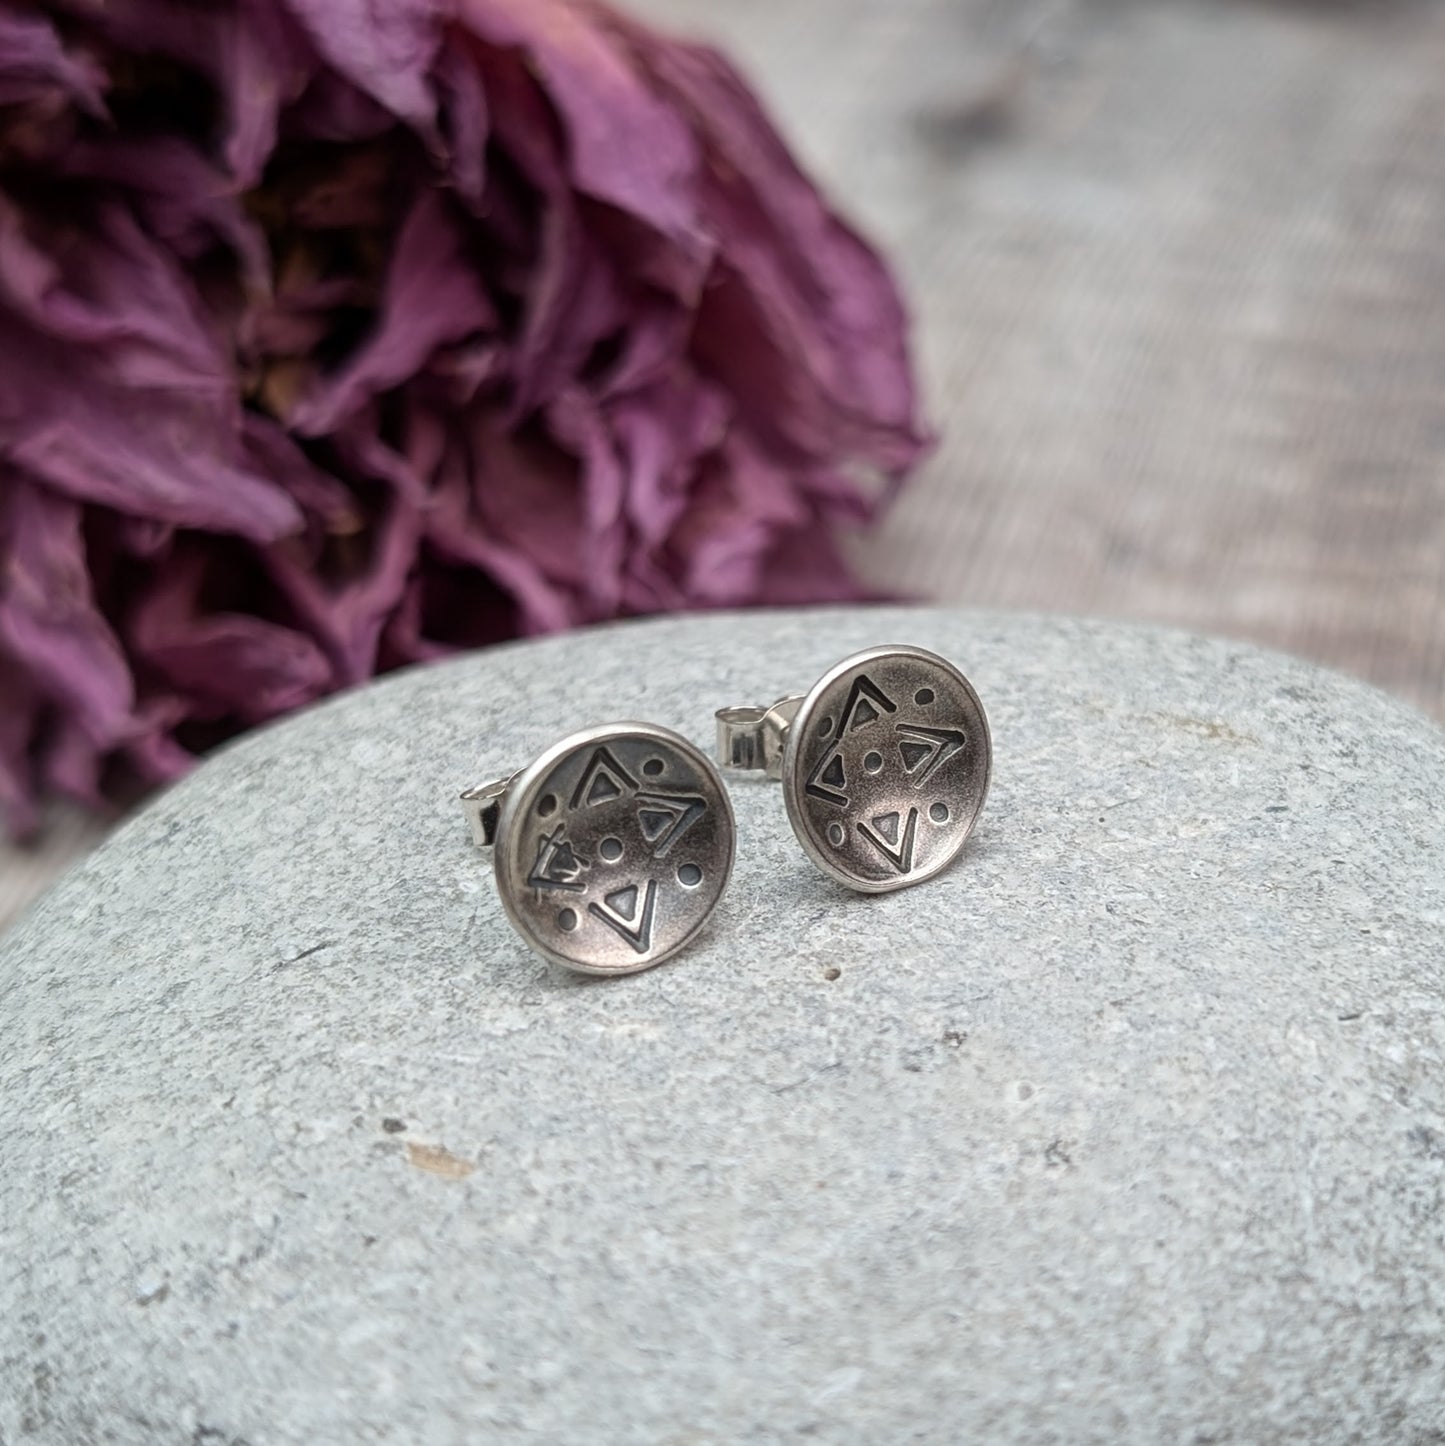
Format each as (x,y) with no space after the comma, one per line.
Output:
(866,701)
(602,780)
(827,780)
(640,936)
(664,817)
(623,902)
(929,748)
(901,856)
(915,753)
(654,822)
(886,826)
(557,865)
(604,786)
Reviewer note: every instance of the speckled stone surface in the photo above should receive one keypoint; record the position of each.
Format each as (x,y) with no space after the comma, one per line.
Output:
(1129,1128)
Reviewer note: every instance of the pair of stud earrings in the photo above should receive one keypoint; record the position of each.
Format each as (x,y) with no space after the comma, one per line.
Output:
(614,846)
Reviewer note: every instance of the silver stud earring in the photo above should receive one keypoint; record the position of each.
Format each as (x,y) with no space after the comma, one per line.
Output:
(884,763)
(611,849)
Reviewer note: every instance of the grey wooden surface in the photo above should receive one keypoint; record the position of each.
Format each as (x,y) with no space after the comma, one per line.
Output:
(1178,268)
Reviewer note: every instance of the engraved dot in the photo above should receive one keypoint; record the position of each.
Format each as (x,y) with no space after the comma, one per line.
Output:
(825,727)
(831,973)
(547,805)
(689,876)
(567,919)
(610,849)
(653,767)
(873,762)
(836,835)
(939,813)
(923,697)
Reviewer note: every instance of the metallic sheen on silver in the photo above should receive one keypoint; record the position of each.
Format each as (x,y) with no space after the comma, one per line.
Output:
(885,764)
(611,849)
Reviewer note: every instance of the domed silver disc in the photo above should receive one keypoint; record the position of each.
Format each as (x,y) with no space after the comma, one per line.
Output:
(887,767)
(614,847)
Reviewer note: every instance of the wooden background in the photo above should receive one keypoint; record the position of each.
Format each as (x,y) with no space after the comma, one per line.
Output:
(1179,278)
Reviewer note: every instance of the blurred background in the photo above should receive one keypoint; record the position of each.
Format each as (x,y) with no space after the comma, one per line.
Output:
(1177,282)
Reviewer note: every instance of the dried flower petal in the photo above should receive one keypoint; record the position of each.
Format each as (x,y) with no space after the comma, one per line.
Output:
(49,625)
(336,335)
(431,299)
(34,65)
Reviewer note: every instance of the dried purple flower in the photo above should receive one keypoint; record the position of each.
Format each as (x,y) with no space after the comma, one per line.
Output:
(336,336)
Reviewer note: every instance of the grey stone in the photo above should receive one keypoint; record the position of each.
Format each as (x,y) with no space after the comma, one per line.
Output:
(1128,1128)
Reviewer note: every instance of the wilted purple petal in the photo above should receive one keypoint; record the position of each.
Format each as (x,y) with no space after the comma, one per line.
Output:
(184,202)
(146,537)
(805,567)
(464,101)
(332,110)
(261,65)
(359,443)
(653,349)
(662,431)
(651,587)
(152,751)
(85,439)
(226,663)
(625,145)
(19,724)
(33,61)
(112,289)
(350,333)
(840,497)
(296,320)
(93,456)
(432,298)
(487,525)
(725,561)
(804,323)
(346,619)
(71,763)
(48,620)
(581,427)
(385,48)
(238,666)
(742,509)
(758,484)
(551,297)
(523,493)
(113,391)
(322,496)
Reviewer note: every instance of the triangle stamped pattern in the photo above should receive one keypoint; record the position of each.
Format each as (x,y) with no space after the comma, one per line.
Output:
(618,910)
(557,865)
(663,818)
(828,780)
(867,702)
(602,780)
(883,835)
(925,750)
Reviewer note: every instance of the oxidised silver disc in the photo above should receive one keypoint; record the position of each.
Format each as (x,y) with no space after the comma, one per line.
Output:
(614,847)
(887,767)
